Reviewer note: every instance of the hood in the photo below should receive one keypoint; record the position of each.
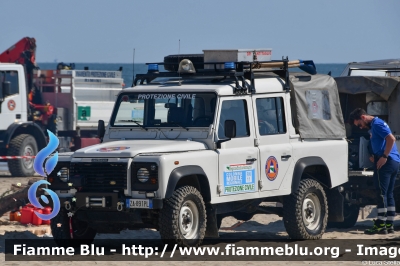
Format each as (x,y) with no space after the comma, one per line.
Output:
(130,148)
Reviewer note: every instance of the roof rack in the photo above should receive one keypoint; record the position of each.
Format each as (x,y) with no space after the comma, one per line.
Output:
(238,71)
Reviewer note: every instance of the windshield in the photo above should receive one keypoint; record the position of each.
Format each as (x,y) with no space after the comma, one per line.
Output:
(172,109)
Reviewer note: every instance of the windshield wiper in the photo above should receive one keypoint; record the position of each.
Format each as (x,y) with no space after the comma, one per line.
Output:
(136,122)
(180,126)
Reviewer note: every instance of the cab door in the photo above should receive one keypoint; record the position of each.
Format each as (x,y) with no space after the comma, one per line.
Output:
(238,157)
(275,150)
(11,107)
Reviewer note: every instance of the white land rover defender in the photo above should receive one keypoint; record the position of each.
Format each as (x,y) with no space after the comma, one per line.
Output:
(184,149)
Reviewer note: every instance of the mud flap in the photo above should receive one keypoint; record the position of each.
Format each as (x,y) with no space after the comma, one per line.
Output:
(335,205)
(211,227)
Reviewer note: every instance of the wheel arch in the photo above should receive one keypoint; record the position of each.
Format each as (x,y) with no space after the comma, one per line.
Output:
(25,128)
(309,166)
(192,175)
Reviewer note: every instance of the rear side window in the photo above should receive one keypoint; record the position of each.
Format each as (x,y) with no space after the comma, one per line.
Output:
(318,105)
(271,116)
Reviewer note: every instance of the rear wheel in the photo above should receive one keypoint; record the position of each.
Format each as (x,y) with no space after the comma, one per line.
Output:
(22,145)
(305,212)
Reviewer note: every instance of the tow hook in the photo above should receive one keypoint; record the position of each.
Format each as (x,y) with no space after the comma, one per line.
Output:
(67,205)
(120,206)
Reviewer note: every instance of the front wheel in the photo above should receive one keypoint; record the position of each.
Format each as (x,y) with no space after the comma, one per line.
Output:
(183,218)
(305,212)
(22,145)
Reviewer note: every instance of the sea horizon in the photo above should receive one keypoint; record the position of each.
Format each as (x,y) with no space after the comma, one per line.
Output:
(129,70)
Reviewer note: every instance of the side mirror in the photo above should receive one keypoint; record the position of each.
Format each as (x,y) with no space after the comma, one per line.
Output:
(101,130)
(230,129)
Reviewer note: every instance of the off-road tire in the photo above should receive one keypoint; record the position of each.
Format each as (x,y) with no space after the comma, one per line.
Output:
(350,214)
(169,218)
(197,60)
(294,221)
(60,231)
(18,147)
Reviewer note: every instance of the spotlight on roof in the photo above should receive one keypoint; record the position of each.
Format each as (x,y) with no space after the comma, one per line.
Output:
(186,66)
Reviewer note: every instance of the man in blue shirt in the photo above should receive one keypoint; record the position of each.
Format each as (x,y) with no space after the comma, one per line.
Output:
(386,166)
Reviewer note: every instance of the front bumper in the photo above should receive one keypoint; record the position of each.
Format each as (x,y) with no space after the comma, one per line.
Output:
(105,201)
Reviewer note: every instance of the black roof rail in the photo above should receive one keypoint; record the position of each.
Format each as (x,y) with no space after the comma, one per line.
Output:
(243,70)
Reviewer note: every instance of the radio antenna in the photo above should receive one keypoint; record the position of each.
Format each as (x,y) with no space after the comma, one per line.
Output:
(133,67)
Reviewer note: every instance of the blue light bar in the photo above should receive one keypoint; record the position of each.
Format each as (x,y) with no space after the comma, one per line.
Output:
(229,66)
(152,68)
(308,66)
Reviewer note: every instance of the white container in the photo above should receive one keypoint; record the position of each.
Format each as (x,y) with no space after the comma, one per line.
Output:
(236,55)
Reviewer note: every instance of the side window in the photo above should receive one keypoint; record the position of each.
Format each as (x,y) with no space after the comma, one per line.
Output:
(271,116)
(318,104)
(12,77)
(234,110)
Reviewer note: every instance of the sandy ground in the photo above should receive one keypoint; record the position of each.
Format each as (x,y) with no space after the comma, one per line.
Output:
(260,226)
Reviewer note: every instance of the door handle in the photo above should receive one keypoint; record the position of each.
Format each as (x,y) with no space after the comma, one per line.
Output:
(252,160)
(285,156)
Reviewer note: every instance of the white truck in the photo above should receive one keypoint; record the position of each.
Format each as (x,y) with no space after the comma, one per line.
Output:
(67,102)
(64,101)
(184,149)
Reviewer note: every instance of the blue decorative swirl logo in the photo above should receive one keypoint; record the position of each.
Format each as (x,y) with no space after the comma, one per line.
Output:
(50,165)
(42,155)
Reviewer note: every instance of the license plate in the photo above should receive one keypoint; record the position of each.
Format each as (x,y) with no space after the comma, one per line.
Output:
(139,203)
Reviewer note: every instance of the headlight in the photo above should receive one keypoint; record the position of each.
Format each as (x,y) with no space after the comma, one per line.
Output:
(63,174)
(143,175)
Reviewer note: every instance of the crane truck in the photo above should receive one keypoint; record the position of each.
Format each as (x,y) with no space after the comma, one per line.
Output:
(65,101)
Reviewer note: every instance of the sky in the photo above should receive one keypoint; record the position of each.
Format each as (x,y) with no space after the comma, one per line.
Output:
(106,31)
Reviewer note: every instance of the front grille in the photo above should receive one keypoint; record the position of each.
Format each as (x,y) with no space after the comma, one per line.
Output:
(101,176)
